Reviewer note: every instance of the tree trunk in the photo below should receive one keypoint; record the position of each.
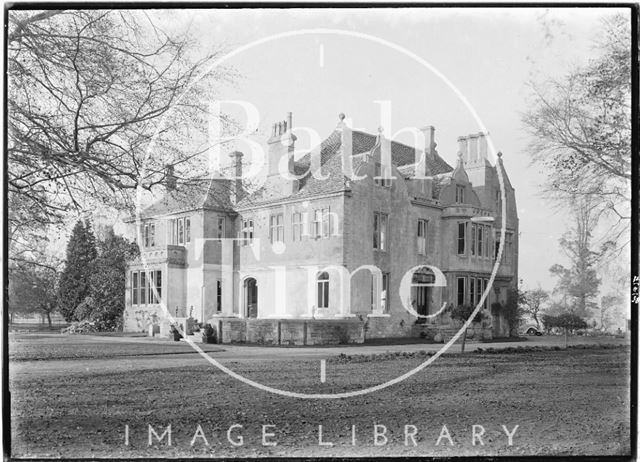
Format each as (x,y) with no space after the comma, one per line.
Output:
(566,342)
(49,319)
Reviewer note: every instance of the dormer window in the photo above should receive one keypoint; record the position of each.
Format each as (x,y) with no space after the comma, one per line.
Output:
(459,194)
(380,176)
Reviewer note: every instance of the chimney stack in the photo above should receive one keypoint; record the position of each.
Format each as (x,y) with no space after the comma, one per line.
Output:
(482,146)
(237,191)
(462,147)
(473,148)
(429,148)
(169,177)
(281,144)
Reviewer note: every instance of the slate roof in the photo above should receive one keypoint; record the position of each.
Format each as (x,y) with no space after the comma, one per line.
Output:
(331,162)
(197,194)
(214,194)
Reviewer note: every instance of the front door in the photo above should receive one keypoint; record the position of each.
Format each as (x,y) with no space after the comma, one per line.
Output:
(251,298)
(422,281)
(422,302)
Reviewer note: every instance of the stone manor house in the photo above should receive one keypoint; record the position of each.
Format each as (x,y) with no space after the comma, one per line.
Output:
(289,274)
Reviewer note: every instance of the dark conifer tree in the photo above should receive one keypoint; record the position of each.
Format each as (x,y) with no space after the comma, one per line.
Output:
(74,280)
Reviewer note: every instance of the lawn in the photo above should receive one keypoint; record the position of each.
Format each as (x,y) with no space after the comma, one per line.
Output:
(38,347)
(564,402)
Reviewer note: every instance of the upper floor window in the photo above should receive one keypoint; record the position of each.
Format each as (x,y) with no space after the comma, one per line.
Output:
(297,226)
(459,194)
(180,231)
(322,223)
(422,237)
(219,296)
(380,231)
(247,232)
(462,238)
(323,290)
(276,228)
(474,241)
(381,177)
(149,235)
(220,229)
(384,305)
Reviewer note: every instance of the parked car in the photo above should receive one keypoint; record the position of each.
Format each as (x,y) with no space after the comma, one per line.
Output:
(532,330)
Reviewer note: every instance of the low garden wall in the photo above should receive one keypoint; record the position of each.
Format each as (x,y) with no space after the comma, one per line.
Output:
(289,331)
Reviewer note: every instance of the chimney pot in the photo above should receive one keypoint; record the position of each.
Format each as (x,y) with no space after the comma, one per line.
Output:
(462,146)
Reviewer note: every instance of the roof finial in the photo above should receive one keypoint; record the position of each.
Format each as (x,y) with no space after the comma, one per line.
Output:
(341,116)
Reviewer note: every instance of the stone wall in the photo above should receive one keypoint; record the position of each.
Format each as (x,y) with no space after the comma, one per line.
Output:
(289,331)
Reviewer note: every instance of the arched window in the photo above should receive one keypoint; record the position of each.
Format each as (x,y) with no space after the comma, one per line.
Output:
(323,290)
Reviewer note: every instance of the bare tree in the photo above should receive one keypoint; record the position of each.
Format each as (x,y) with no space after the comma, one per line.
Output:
(99,102)
(533,302)
(580,127)
(579,283)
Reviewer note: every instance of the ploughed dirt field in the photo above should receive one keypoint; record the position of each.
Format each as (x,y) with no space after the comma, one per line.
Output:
(563,402)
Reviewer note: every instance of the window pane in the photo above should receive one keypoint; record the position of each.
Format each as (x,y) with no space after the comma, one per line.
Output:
(219,296)
(375,230)
(187,225)
(159,284)
(180,231)
(134,288)
(143,288)
(461,238)
(460,291)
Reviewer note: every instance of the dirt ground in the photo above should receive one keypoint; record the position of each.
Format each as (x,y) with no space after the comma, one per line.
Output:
(563,402)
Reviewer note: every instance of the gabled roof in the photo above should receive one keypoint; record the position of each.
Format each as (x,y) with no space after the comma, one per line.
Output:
(213,194)
(331,165)
(209,194)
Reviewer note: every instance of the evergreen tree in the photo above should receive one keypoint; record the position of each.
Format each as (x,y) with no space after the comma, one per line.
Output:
(74,280)
(105,302)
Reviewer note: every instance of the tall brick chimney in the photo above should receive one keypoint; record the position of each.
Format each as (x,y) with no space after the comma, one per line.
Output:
(169,177)
(237,190)
(429,148)
(281,144)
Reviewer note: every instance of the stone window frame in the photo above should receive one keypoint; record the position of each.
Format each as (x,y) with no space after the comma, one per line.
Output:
(142,284)
(380,232)
(218,295)
(221,230)
(322,289)
(297,226)
(461,238)
(422,249)
(460,194)
(247,231)
(149,235)
(276,227)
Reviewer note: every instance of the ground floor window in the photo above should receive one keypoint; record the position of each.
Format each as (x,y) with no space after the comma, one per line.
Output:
(469,289)
(146,287)
(323,290)
(460,291)
(219,296)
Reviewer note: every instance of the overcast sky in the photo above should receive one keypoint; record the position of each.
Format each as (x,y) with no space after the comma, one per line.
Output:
(488,55)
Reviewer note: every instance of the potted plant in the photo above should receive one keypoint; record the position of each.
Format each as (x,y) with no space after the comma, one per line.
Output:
(209,334)
(176,333)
